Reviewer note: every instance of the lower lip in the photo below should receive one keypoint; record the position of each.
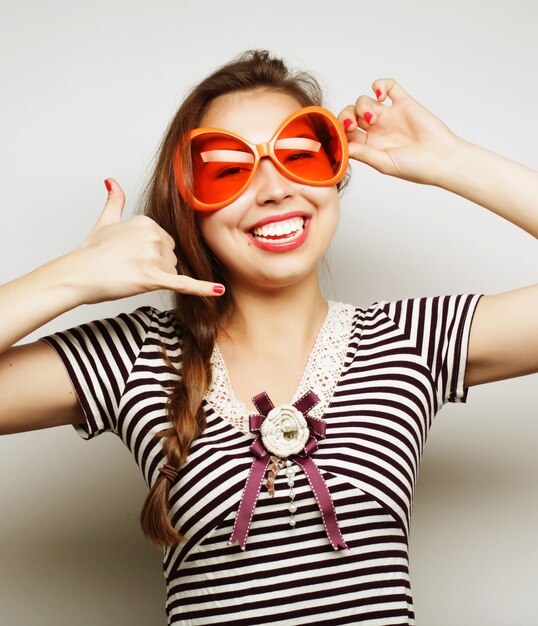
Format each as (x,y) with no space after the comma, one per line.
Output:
(281,246)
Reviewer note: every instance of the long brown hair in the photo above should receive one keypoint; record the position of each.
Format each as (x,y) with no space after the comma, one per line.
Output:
(199,317)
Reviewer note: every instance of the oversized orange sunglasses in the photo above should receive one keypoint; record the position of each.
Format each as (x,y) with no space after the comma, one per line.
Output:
(310,147)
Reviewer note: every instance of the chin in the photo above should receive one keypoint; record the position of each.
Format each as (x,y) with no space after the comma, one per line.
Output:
(285,278)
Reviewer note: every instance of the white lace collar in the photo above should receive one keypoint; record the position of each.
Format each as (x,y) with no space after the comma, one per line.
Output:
(321,373)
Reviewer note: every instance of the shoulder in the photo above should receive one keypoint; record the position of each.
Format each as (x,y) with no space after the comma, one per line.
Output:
(159,324)
(421,307)
(153,317)
(421,318)
(356,314)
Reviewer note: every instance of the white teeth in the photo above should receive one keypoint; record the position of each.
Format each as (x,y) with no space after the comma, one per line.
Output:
(279,229)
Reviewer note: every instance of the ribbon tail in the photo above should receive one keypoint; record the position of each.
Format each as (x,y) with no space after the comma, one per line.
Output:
(249,498)
(263,403)
(306,402)
(254,422)
(325,503)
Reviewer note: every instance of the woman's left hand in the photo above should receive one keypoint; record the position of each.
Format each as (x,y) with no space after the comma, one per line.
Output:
(403,139)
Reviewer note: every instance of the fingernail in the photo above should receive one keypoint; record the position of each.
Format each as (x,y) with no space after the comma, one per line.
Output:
(347,123)
(218,289)
(368,117)
(108,185)
(378,93)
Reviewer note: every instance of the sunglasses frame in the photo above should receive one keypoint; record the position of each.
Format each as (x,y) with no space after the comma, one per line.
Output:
(260,150)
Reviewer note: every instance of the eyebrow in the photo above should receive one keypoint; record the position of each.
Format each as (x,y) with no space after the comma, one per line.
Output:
(239,156)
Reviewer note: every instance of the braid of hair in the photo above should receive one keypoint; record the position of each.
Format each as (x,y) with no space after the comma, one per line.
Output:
(186,413)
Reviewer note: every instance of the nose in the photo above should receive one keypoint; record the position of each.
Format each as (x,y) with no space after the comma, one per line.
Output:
(272,187)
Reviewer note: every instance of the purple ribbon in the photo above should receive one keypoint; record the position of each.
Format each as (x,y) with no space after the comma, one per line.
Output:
(253,485)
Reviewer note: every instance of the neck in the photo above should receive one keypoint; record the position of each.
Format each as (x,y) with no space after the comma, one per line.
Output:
(276,322)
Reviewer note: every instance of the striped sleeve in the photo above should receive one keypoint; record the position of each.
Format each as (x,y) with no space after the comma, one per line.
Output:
(98,357)
(440,326)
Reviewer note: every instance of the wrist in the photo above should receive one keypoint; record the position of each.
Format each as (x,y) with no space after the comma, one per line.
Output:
(65,279)
(455,163)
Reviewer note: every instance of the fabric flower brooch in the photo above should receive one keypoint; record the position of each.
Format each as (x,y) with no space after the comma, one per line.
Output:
(286,435)
(284,431)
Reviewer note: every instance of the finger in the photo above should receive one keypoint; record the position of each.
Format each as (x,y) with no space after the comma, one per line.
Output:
(148,222)
(170,258)
(378,159)
(168,239)
(114,205)
(356,136)
(347,118)
(188,285)
(363,114)
(368,111)
(384,87)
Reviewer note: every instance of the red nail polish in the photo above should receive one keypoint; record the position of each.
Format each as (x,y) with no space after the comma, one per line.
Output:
(108,185)
(368,117)
(347,123)
(218,289)
(378,93)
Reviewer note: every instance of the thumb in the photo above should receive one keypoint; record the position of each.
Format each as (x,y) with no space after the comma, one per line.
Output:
(114,206)
(378,159)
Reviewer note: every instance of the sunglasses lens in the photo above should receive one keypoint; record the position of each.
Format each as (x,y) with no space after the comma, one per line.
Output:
(221,167)
(310,147)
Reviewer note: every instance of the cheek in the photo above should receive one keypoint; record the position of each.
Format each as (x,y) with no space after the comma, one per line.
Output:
(330,217)
(206,228)
(322,196)
(215,229)
(328,202)
(219,225)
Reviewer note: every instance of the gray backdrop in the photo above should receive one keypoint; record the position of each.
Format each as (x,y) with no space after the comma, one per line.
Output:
(88,90)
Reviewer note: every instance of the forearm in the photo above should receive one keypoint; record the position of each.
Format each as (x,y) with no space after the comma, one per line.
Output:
(29,302)
(501,185)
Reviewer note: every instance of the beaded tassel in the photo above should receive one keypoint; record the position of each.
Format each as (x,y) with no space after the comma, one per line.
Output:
(290,475)
(275,466)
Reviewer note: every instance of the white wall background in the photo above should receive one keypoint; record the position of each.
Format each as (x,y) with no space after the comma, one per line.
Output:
(87,91)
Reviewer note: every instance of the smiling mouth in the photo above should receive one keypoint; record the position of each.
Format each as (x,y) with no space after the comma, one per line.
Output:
(285,230)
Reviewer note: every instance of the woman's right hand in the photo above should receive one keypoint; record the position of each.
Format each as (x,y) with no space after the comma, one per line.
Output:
(122,259)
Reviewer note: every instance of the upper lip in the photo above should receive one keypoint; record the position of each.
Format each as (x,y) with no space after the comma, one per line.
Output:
(278,218)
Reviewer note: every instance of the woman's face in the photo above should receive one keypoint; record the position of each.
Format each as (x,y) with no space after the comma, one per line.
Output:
(265,262)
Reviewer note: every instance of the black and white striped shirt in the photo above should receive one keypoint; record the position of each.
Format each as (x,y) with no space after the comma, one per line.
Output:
(403,360)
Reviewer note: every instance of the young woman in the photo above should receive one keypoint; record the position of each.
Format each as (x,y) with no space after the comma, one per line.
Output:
(279,433)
